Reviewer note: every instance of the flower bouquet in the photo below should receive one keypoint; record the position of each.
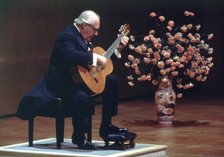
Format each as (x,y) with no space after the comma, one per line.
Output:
(179,51)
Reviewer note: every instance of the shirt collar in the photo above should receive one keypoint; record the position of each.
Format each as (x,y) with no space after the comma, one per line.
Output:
(89,44)
(76,27)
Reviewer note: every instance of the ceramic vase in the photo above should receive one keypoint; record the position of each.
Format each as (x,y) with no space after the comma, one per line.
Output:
(165,101)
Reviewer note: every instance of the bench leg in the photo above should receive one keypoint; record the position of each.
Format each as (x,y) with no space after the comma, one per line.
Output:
(30,131)
(89,120)
(89,127)
(59,131)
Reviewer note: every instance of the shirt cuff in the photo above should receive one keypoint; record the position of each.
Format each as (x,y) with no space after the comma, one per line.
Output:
(94,59)
(117,53)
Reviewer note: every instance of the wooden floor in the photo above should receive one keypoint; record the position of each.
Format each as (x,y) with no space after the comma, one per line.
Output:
(198,129)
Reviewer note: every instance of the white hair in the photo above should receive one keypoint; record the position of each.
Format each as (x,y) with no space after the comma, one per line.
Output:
(87,16)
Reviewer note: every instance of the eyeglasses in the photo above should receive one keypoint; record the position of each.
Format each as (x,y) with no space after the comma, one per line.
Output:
(94,29)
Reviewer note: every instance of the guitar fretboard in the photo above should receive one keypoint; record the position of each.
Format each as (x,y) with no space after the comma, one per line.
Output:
(113,47)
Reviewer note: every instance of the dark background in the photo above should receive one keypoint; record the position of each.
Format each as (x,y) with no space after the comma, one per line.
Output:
(28,29)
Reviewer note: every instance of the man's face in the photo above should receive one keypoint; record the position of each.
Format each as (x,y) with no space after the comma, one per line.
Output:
(89,31)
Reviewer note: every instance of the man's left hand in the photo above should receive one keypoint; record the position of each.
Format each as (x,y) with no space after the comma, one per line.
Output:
(123,43)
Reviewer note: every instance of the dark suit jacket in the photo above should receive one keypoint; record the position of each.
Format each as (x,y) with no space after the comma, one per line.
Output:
(69,50)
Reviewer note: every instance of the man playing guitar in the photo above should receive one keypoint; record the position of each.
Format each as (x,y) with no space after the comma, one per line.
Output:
(72,52)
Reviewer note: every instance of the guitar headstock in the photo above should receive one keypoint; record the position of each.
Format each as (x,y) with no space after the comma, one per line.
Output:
(125,29)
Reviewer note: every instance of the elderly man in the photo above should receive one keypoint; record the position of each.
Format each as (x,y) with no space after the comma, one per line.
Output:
(72,48)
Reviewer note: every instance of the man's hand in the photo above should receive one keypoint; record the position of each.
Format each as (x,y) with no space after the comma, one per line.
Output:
(101,60)
(123,43)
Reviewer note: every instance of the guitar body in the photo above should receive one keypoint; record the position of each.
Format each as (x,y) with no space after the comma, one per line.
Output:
(95,77)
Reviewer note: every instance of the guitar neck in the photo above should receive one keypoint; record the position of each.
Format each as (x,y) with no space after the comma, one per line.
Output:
(113,47)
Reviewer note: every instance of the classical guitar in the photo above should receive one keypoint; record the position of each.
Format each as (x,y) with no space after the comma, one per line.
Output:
(95,77)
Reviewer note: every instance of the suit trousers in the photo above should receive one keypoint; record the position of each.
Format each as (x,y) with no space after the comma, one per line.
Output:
(80,102)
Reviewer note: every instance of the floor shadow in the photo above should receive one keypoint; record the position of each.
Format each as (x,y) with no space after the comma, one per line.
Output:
(176,123)
(190,123)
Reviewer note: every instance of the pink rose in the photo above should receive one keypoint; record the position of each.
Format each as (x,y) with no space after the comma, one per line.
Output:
(171,23)
(161,18)
(152,14)
(160,64)
(187,13)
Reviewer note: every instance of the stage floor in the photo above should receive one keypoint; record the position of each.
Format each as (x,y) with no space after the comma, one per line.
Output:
(197,130)
(47,148)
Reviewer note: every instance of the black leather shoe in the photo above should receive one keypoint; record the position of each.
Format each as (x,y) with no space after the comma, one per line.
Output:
(112,129)
(83,144)
(87,145)
(115,129)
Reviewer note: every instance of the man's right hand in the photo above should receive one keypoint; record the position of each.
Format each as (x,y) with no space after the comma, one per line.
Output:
(101,60)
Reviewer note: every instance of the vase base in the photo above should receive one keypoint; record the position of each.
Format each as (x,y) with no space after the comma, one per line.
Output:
(165,120)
